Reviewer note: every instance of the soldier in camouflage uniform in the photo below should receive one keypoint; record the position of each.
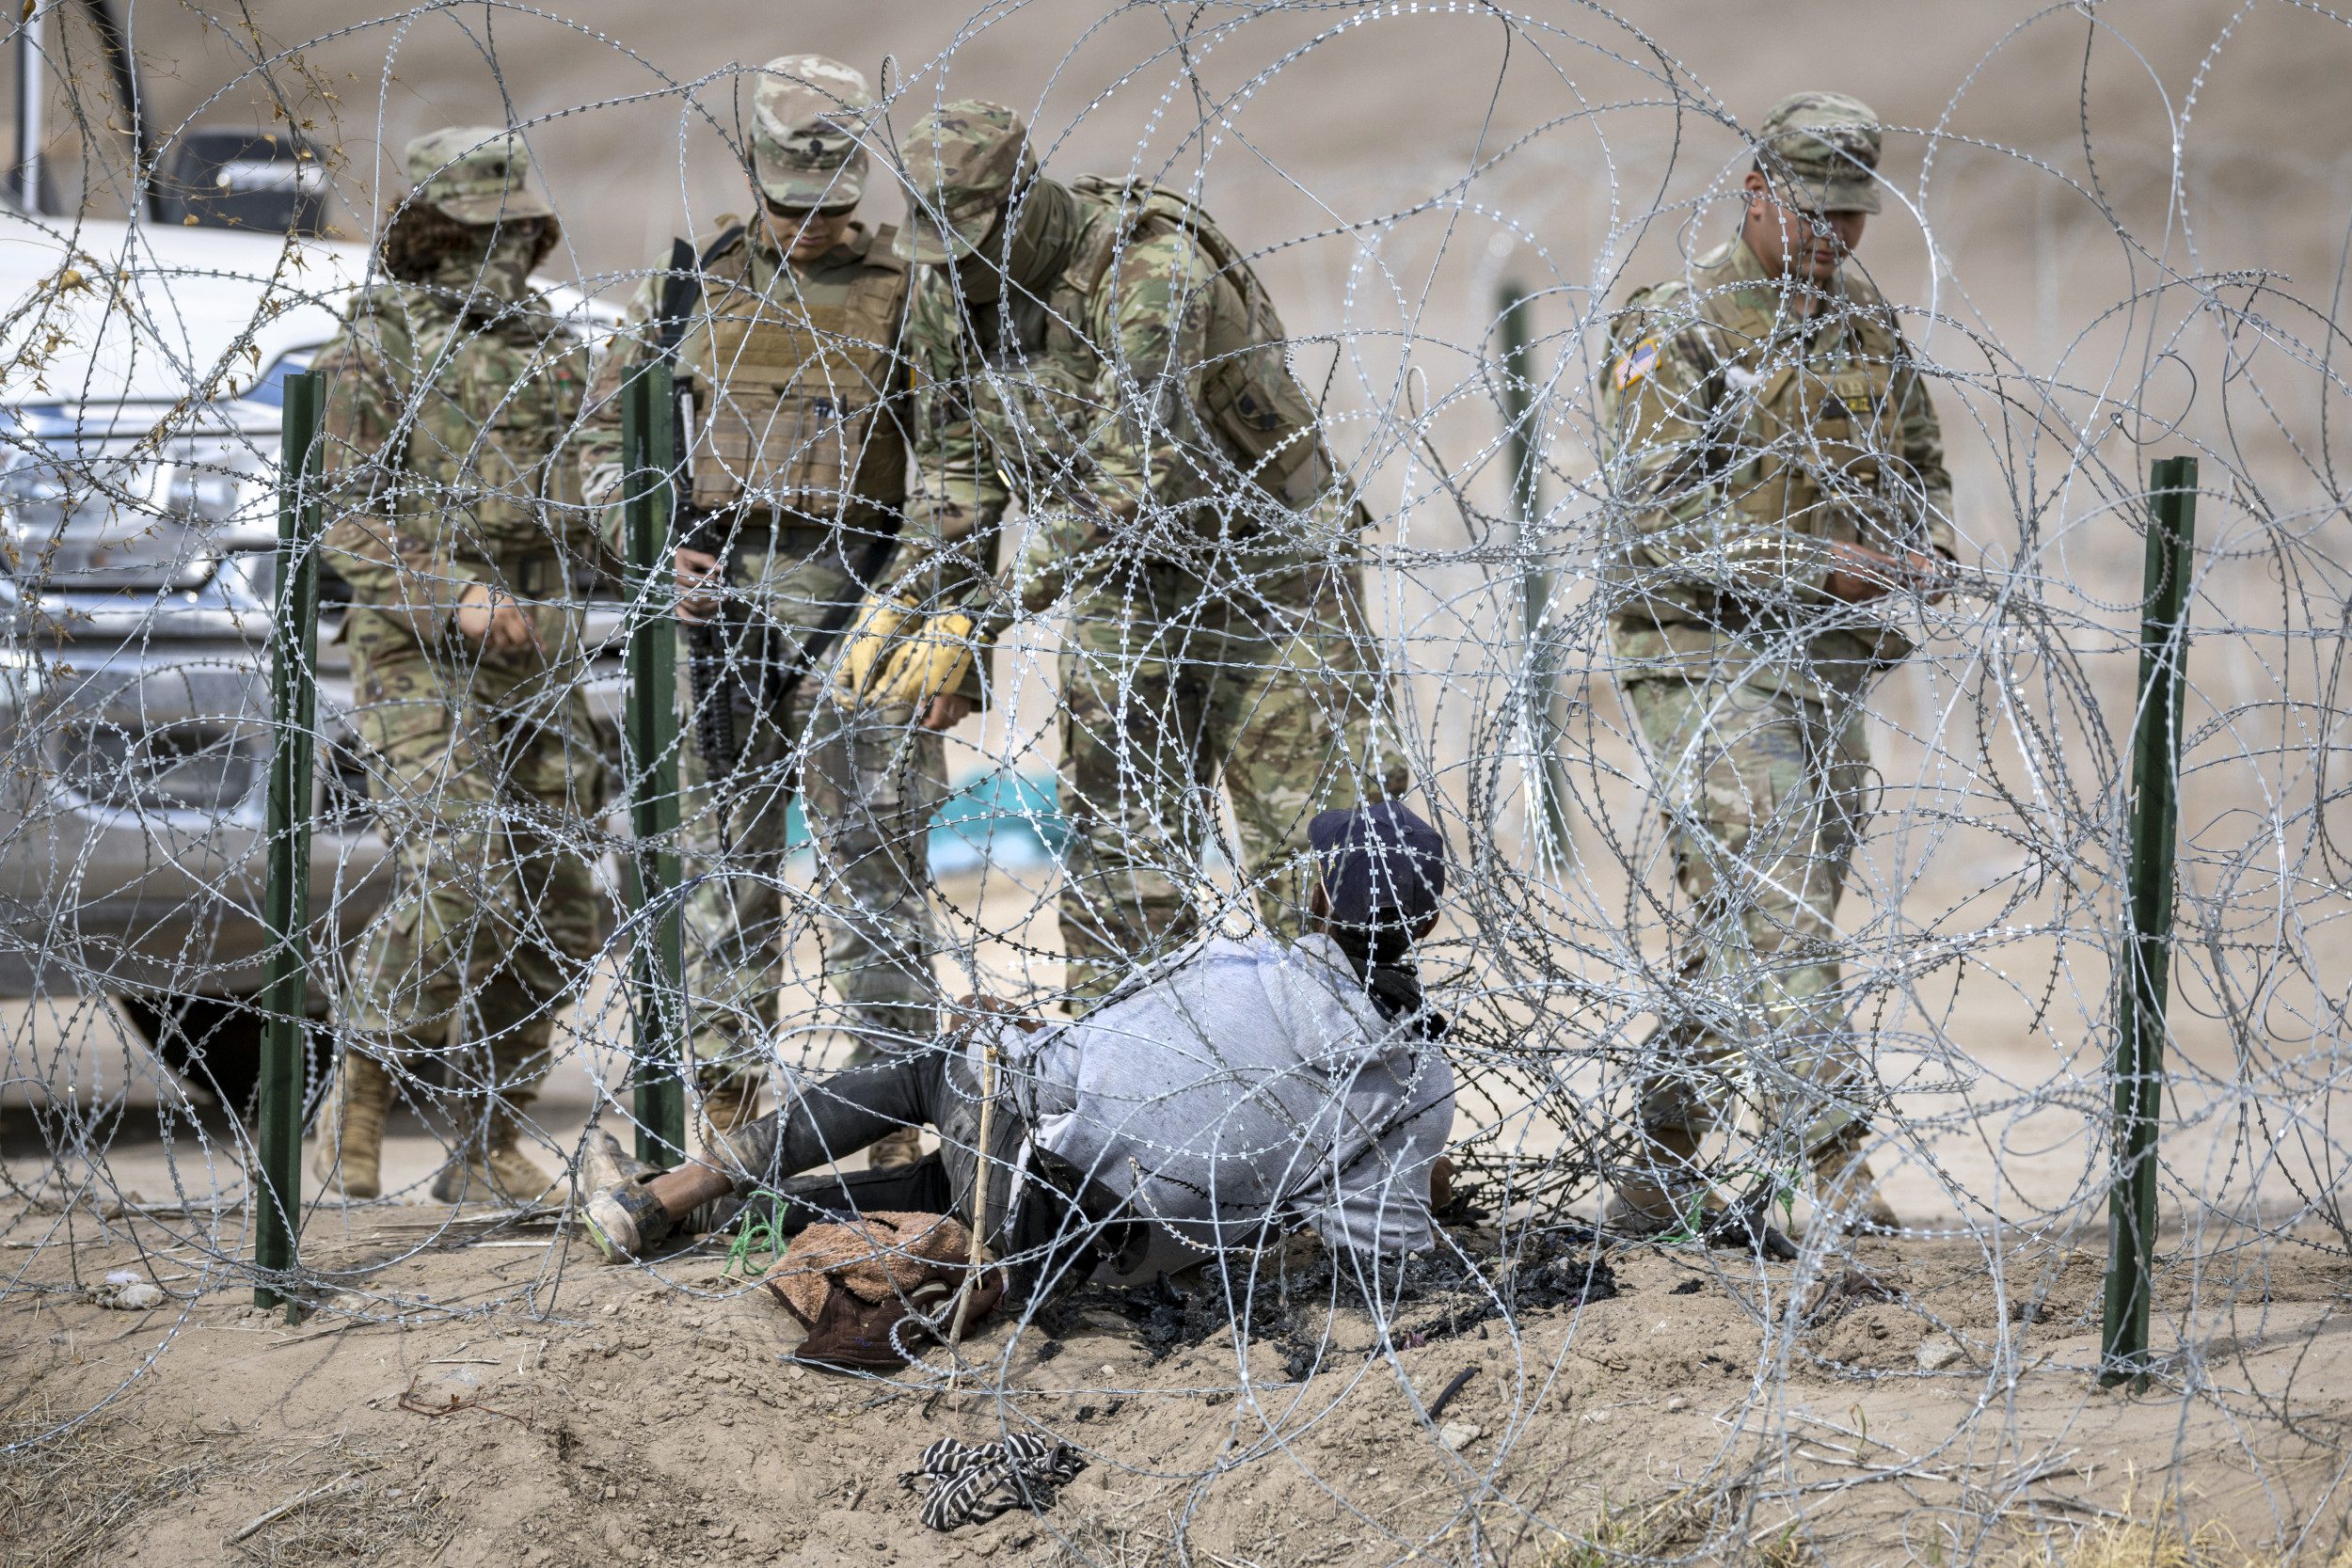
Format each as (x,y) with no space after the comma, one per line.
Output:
(1786,502)
(797,463)
(1102,354)
(449,393)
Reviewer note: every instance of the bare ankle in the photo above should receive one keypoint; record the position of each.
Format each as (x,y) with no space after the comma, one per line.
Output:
(683,1191)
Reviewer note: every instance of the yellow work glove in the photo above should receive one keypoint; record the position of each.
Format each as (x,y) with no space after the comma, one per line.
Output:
(929,656)
(898,657)
(869,648)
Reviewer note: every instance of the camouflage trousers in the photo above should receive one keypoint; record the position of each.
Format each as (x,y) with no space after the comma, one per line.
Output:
(1276,690)
(870,783)
(486,778)
(1763,797)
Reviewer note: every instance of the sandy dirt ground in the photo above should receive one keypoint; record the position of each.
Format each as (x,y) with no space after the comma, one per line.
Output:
(475,1389)
(527,1405)
(1925,1399)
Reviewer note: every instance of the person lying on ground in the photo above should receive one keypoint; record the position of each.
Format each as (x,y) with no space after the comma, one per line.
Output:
(1248,1088)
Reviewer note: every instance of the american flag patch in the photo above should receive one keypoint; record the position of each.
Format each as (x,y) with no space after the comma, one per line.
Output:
(1632,367)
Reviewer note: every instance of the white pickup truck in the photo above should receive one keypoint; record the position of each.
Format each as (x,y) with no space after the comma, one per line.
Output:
(140,373)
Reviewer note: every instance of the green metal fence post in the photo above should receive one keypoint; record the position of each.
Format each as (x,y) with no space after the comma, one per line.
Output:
(1519,400)
(286,895)
(647,437)
(2144,978)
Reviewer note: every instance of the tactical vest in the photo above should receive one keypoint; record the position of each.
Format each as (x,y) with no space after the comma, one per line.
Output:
(1805,437)
(1249,401)
(786,387)
(489,407)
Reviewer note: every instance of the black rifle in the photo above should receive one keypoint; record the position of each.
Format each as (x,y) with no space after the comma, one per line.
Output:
(713,674)
(712,680)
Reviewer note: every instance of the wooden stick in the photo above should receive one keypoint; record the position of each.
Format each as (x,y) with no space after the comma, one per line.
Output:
(980,1215)
(338,1484)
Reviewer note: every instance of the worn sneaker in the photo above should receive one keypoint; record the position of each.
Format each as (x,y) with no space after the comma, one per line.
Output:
(605,1162)
(624,1222)
(893,1149)
(622,1218)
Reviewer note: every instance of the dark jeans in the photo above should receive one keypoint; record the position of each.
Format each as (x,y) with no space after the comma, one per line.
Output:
(817,1122)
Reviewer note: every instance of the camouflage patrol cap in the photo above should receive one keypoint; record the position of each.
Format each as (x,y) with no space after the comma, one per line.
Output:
(809,118)
(475,174)
(1825,144)
(964,164)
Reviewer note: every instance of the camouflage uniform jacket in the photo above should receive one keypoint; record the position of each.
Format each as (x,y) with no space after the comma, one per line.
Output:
(1142,408)
(792,369)
(444,453)
(1741,436)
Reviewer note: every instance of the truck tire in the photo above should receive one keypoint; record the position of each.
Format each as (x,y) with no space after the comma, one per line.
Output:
(214,1044)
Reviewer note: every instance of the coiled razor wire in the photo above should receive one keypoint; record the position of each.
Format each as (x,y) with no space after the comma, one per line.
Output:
(2082,291)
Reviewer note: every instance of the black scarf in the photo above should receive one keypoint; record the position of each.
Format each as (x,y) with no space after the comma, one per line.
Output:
(1382,956)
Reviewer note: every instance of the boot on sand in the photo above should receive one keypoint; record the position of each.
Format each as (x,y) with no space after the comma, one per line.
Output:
(489,1167)
(1663,1190)
(1845,1189)
(349,1156)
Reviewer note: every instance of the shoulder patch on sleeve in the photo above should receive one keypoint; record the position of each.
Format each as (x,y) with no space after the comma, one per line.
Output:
(1636,363)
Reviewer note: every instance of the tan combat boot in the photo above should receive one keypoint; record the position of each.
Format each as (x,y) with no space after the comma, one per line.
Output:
(489,1167)
(1665,1191)
(1846,1190)
(349,1158)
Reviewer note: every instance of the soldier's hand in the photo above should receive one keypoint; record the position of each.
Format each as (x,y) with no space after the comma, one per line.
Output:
(931,658)
(947,710)
(1934,574)
(1865,574)
(492,620)
(697,576)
